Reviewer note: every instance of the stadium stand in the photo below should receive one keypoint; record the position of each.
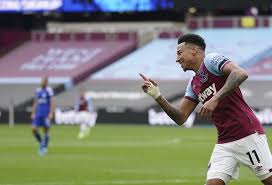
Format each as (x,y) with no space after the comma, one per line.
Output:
(122,76)
(259,66)
(146,31)
(209,22)
(118,87)
(65,58)
(101,56)
(156,59)
(10,39)
(239,44)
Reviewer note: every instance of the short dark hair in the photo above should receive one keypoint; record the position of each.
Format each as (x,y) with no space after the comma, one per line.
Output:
(193,39)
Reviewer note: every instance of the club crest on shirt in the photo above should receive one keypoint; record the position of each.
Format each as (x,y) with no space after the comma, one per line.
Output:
(203,76)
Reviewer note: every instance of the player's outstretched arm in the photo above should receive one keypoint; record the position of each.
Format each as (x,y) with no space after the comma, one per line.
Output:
(236,76)
(179,115)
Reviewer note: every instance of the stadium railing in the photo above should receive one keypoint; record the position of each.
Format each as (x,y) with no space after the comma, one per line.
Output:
(228,22)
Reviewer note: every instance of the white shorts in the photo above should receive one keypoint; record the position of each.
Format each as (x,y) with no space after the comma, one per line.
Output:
(251,151)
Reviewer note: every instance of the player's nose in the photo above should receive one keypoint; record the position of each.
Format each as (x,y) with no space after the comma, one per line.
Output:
(178,59)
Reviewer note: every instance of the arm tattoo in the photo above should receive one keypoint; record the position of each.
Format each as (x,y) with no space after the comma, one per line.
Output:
(173,112)
(233,81)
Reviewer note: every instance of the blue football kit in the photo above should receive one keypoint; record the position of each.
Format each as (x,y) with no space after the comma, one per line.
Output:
(43,103)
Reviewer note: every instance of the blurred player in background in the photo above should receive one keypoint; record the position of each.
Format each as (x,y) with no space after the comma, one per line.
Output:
(42,114)
(241,137)
(86,115)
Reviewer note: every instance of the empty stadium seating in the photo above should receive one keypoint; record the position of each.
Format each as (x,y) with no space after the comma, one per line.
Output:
(157,60)
(73,56)
(117,87)
(65,58)
(237,44)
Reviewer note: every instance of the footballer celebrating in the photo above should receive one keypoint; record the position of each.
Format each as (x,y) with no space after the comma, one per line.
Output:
(241,137)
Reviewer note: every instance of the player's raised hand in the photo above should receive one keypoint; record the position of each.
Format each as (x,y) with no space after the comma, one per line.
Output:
(150,87)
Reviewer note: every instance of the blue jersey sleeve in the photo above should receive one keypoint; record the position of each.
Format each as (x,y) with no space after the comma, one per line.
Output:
(215,62)
(189,92)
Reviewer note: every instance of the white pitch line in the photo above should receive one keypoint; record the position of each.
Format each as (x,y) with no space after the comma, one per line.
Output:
(118,182)
(178,181)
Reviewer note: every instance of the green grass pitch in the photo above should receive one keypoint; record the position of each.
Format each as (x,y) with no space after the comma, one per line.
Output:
(111,155)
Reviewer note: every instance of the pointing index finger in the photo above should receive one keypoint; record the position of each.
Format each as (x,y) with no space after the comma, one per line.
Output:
(143,77)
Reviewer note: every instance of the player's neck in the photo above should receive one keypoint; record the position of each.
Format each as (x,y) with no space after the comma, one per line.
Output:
(199,61)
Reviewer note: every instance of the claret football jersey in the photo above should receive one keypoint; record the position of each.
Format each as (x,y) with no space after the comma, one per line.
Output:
(232,117)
